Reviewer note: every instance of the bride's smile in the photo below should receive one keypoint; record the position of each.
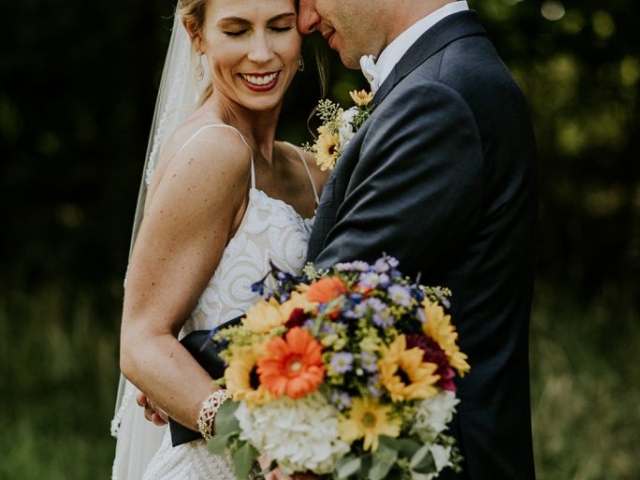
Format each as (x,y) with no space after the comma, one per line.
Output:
(260,82)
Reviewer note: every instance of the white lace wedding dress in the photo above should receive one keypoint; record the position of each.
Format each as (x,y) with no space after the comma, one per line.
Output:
(271,231)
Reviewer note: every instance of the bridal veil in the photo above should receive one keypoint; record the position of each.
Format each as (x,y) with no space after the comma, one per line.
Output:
(178,97)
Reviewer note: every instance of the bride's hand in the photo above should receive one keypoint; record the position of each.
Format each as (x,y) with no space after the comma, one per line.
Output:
(152,413)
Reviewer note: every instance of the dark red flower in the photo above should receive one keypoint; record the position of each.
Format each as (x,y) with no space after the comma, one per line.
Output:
(297,318)
(434,354)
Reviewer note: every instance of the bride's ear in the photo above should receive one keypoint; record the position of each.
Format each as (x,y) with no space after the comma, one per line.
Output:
(195,34)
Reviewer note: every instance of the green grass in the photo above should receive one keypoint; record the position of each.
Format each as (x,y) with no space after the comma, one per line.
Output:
(58,375)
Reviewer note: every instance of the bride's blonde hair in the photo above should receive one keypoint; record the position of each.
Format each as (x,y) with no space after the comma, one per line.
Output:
(192,13)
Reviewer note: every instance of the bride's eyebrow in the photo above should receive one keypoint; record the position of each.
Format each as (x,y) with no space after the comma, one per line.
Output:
(244,21)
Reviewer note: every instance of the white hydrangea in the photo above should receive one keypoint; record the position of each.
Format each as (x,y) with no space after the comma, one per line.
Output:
(300,435)
(346,131)
(434,414)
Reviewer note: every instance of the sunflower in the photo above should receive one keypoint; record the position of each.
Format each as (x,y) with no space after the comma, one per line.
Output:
(293,366)
(264,316)
(326,148)
(368,419)
(404,374)
(241,377)
(439,327)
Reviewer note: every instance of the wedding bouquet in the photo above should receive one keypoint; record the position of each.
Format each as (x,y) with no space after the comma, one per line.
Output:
(345,373)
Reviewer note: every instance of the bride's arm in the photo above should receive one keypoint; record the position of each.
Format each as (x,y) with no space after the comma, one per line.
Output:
(191,211)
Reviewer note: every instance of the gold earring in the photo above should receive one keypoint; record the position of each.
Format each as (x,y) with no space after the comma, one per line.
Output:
(301,64)
(199,67)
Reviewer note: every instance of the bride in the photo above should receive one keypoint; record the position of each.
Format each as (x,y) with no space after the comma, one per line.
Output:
(222,199)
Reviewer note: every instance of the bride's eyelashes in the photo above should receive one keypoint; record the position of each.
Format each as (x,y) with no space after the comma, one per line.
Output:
(237,33)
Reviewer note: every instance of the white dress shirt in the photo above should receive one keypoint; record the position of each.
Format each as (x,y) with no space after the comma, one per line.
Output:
(376,71)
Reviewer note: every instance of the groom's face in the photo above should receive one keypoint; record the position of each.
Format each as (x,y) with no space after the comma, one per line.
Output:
(351,27)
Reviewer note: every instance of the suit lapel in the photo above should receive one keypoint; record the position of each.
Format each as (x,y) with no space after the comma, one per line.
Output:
(449,29)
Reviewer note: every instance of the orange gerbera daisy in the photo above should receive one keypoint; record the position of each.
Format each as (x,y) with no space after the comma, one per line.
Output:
(326,289)
(294,366)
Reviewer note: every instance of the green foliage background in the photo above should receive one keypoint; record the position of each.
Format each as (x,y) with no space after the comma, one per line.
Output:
(77,88)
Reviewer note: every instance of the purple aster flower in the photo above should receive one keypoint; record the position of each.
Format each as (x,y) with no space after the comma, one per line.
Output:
(400,295)
(357,311)
(373,387)
(381,314)
(357,266)
(369,279)
(341,400)
(369,361)
(342,362)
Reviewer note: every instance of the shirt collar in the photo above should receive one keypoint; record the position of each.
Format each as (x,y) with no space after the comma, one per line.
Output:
(399,46)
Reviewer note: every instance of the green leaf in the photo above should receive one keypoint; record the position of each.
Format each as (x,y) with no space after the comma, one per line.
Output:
(347,466)
(422,461)
(225,421)
(219,443)
(244,459)
(384,458)
(226,427)
(408,447)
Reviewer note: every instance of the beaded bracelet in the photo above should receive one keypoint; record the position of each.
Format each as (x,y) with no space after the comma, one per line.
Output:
(208,412)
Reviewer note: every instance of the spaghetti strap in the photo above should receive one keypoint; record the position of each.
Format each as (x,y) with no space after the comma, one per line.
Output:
(306,167)
(223,125)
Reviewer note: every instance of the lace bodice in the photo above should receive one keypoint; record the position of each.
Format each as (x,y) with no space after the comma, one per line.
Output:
(271,231)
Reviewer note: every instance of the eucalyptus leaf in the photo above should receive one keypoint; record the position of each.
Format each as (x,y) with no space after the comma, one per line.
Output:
(422,461)
(347,466)
(408,447)
(219,443)
(244,459)
(225,421)
(383,459)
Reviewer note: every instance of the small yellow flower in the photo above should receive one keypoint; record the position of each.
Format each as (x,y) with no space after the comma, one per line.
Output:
(361,98)
(404,374)
(438,326)
(326,148)
(368,419)
(241,378)
(264,316)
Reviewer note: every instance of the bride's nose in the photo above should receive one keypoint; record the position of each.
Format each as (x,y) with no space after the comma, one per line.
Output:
(261,50)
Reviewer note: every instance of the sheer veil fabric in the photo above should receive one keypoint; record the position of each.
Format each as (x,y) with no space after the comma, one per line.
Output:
(178,96)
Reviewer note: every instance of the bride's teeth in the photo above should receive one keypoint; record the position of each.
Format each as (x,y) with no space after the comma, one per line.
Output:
(260,80)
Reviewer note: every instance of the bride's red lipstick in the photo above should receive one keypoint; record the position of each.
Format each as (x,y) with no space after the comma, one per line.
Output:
(252,81)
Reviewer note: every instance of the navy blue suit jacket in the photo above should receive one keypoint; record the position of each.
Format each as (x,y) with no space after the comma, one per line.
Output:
(442,176)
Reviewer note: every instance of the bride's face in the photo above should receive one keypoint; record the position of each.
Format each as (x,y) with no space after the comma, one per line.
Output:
(253,49)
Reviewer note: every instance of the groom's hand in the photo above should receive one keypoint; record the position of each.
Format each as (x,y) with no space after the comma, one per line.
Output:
(152,413)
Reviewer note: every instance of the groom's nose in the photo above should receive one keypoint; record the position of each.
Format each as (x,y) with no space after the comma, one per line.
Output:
(308,17)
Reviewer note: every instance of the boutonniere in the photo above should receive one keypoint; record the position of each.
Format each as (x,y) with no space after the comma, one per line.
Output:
(338,128)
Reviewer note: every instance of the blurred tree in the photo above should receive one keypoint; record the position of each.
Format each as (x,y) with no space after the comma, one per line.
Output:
(77,88)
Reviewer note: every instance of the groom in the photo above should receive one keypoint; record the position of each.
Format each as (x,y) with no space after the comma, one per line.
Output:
(443,177)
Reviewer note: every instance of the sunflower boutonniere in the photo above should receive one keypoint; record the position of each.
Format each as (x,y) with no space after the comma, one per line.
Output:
(338,127)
